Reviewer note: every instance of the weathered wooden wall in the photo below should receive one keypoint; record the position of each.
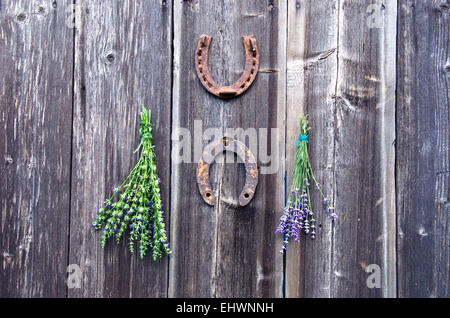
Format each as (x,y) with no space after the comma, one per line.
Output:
(373,76)
(227,250)
(422,148)
(36,67)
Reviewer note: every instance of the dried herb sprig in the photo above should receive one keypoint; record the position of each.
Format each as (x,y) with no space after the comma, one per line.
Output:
(298,216)
(139,207)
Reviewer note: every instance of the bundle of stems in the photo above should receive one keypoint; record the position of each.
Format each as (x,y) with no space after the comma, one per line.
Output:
(138,208)
(298,216)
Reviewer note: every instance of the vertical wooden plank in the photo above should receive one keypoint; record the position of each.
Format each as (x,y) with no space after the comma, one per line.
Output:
(423,149)
(311,83)
(36,55)
(364,150)
(226,250)
(122,60)
(342,69)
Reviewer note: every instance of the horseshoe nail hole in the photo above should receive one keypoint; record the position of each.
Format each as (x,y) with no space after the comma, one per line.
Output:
(248,79)
(208,194)
(41,10)
(110,57)
(246,195)
(254,61)
(21,17)
(253,71)
(9,160)
(199,52)
(447,67)
(243,85)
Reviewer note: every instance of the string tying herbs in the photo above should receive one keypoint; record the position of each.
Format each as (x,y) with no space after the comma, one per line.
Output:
(138,207)
(298,216)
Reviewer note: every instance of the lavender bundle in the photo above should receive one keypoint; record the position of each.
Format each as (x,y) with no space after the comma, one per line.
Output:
(139,207)
(298,216)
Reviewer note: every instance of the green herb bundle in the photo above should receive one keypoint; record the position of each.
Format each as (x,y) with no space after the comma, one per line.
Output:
(138,208)
(298,216)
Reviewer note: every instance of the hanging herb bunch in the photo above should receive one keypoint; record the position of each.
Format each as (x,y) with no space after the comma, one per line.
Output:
(298,216)
(138,208)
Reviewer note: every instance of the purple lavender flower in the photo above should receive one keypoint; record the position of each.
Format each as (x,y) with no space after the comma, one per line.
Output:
(333,216)
(298,216)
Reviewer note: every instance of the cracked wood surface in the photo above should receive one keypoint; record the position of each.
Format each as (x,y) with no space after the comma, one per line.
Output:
(36,58)
(227,250)
(372,75)
(423,88)
(117,69)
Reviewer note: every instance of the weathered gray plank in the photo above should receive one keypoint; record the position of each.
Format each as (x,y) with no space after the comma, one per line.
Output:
(339,70)
(423,149)
(35,125)
(364,149)
(311,73)
(224,251)
(345,72)
(123,60)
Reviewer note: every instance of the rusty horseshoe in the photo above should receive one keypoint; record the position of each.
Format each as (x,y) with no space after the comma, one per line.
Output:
(210,152)
(243,83)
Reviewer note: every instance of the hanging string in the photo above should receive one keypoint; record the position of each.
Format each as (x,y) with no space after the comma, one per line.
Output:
(301,138)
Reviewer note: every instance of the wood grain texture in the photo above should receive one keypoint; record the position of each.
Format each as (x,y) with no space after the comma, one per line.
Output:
(364,149)
(311,83)
(123,60)
(345,74)
(373,76)
(35,128)
(423,149)
(226,250)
